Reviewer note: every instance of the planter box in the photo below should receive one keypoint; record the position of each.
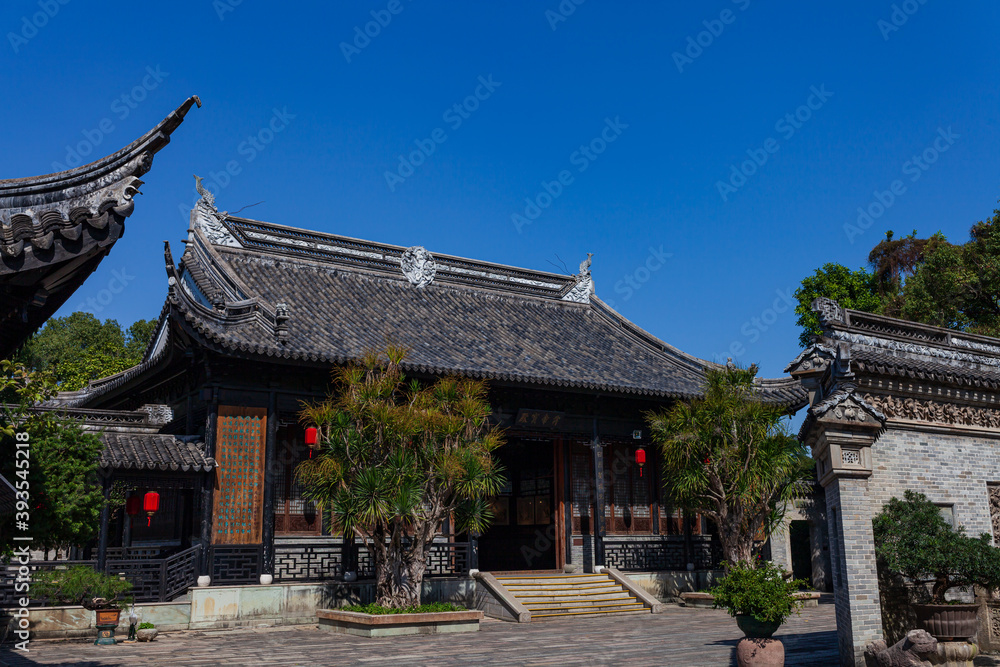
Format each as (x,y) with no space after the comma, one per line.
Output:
(392,625)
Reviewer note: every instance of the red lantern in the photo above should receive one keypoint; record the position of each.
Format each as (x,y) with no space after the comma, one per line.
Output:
(312,438)
(640,459)
(150,503)
(133,505)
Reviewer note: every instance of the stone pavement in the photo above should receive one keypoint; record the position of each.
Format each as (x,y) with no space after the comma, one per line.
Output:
(682,637)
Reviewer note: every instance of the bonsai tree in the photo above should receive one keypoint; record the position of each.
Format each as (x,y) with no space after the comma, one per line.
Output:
(729,456)
(913,540)
(758,591)
(398,458)
(82,585)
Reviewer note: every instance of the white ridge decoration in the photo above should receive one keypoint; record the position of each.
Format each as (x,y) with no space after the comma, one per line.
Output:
(418,266)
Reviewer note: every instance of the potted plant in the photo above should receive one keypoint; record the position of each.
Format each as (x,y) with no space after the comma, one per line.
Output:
(146,633)
(760,598)
(912,539)
(85,586)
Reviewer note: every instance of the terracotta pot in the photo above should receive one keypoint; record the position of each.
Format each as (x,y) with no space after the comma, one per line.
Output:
(755,629)
(948,622)
(107,621)
(108,616)
(760,653)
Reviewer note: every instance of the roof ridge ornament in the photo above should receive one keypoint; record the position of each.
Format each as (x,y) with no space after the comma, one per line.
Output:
(418,266)
(584,287)
(206,217)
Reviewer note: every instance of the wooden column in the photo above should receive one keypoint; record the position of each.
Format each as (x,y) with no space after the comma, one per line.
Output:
(567,458)
(208,482)
(270,465)
(599,495)
(560,504)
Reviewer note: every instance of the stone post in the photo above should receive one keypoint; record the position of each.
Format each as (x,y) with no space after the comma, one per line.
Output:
(841,433)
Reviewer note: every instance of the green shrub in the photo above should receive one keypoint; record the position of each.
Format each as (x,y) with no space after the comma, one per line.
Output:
(761,592)
(82,585)
(913,539)
(432,607)
(145,626)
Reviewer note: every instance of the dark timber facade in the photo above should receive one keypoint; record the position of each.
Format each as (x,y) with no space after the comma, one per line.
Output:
(257,314)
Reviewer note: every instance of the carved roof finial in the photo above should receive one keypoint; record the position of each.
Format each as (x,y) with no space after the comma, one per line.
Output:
(584,287)
(418,266)
(206,197)
(585,265)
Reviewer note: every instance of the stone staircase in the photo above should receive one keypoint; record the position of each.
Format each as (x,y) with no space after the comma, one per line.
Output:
(561,595)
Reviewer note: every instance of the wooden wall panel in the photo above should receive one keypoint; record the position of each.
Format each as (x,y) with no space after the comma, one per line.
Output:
(239,497)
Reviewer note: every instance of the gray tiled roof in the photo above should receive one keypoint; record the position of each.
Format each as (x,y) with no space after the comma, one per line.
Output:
(153,451)
(343,296)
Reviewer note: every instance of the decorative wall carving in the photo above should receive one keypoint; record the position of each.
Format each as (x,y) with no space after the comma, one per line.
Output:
(828,310)
(418,266)
(935,411)
(993,491)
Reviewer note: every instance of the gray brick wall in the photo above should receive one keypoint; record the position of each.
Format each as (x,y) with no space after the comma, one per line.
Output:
(950,469)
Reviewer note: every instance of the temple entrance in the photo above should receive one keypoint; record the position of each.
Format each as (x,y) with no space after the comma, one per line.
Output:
(523,533)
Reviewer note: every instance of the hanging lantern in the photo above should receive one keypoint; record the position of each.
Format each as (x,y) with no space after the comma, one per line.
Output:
(150,503)
(132,505)
(640,459)
(312,439)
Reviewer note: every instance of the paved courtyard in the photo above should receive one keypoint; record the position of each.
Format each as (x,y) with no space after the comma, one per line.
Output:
(683,637)
(678,637)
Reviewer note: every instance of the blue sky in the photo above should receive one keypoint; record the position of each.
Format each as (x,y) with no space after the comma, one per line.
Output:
(642,109)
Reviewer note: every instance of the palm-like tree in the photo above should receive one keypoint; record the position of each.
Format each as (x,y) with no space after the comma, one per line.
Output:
(397,459)
(730,457)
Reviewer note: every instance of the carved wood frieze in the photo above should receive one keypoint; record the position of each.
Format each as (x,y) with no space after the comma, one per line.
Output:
(934,412)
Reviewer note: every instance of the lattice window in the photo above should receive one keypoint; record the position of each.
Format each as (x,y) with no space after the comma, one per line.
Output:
(239,499)
(629,494)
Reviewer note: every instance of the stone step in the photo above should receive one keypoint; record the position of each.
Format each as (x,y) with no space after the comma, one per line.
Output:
(551,581)
(514,588)
(551,615)
(528,600)
(577,604)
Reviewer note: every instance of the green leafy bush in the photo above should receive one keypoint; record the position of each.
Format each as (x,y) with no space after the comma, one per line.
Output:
(82,585)
(145,626)
(913,539)
(429,608)
(761,592)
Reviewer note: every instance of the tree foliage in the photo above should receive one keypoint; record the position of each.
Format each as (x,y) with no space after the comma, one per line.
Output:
(929,280)
(59,473)
(851,289)
(729,456)
(397,459)
(914,540)
(79,348)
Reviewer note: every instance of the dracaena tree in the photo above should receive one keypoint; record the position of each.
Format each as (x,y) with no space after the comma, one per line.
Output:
(729,456)
(396,459)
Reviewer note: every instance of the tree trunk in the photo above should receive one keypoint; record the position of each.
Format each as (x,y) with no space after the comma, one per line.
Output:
(736,547)
(399,575)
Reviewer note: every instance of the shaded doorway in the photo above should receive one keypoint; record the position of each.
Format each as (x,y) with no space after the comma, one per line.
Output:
(801,550)
(523,533)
